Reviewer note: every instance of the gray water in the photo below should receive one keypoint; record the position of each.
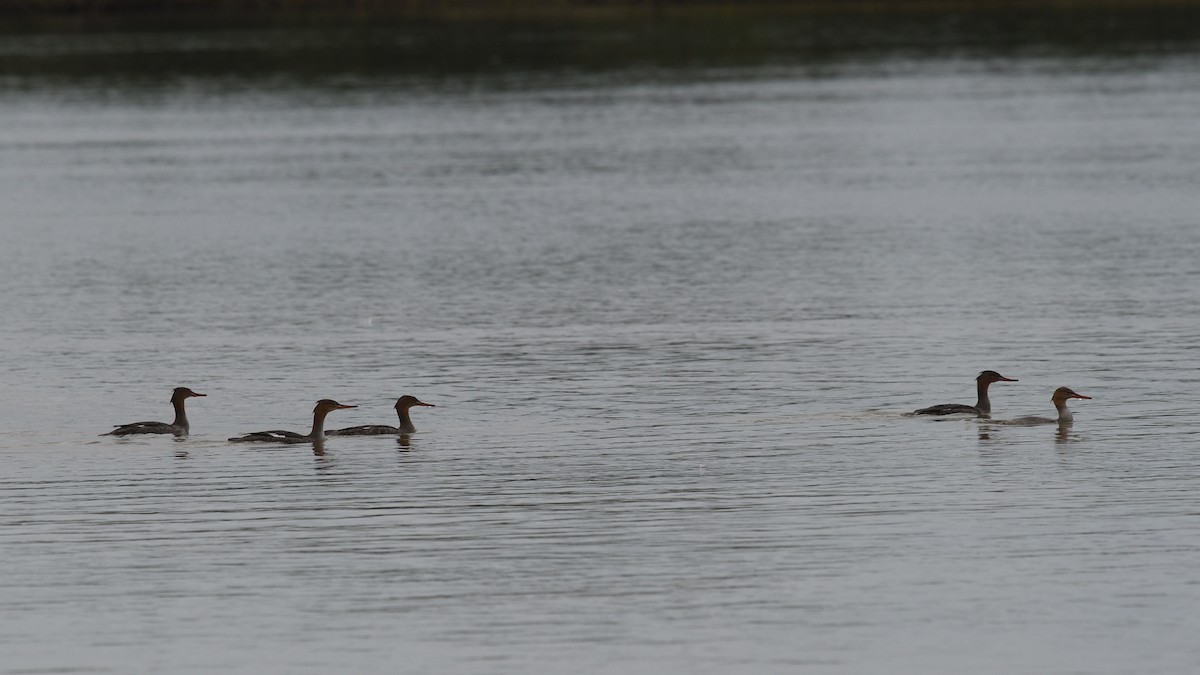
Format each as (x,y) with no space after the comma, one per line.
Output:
(670,319)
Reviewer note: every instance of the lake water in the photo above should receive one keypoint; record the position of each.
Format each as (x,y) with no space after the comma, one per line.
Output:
(670,315)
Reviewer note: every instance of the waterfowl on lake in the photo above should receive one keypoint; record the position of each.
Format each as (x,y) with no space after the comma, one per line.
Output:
(1060,398)
(982,407)
(323,408)
(406,424)
(179,427)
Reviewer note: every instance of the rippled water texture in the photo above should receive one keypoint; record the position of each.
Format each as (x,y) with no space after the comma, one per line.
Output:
(670,318)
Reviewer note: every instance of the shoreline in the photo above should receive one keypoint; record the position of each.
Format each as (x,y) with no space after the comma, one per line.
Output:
(87,15)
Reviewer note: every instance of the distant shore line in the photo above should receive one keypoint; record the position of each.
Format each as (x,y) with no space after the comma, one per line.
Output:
(98,13)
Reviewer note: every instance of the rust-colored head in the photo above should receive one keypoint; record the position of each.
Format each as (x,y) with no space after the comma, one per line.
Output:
(328,404)
(990,376)
(410,401)
(181,393)
(1064,393)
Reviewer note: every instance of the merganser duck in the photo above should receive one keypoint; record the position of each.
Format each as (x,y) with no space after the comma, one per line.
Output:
(982,407)
(179,427)
(406,425)
(1060,398)
(323,408)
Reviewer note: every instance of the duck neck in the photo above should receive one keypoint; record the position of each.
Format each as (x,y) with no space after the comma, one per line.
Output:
(1064,415)
(982,402)
(318,430)
(181,419)
(406,425)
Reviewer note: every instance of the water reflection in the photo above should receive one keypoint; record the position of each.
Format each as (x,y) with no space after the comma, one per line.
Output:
(1062,432)
(323,462)
(1064,435)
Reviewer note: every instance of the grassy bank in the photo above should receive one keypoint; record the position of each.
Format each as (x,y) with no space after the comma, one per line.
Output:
(123,41)
(89,14)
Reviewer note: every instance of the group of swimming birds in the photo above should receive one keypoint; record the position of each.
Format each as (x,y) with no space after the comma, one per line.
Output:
(982,408)
(180,426)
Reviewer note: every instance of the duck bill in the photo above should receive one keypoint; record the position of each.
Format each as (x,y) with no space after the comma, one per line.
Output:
(344,407)
(194,394)
(1081,396)
(427,405)
(1008,379)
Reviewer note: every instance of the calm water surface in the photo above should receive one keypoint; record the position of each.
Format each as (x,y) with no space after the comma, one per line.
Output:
(670,319)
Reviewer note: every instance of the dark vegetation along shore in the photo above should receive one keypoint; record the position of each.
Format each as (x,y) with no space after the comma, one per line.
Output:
(88,14)
(323,40)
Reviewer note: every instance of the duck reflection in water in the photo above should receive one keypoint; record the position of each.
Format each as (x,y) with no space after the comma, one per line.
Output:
(1063,434)
(323,462)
